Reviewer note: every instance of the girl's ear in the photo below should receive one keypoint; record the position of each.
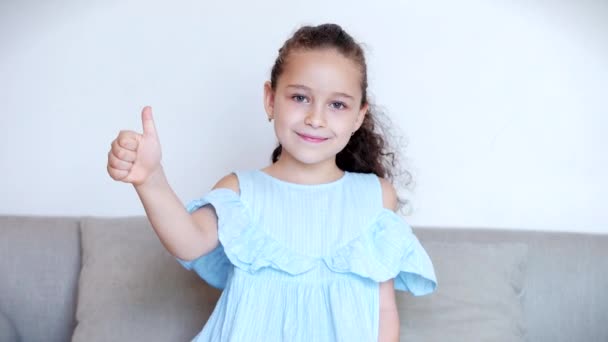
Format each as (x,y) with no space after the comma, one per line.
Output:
(268,99)
(361,116)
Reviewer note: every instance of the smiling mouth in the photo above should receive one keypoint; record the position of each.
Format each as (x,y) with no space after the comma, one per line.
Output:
(311,138)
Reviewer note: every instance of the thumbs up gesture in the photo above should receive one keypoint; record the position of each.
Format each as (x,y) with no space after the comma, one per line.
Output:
(133,156)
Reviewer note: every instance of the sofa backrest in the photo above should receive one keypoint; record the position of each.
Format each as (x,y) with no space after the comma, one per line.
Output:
(565,284)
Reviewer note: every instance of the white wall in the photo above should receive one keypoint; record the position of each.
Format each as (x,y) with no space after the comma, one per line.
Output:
(502,105)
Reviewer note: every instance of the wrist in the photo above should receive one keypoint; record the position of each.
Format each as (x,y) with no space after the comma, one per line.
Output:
(155,179)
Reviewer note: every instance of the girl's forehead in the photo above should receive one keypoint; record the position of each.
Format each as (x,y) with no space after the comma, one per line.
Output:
(323,70)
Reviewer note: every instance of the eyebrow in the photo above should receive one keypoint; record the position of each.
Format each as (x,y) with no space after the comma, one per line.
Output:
(303,87)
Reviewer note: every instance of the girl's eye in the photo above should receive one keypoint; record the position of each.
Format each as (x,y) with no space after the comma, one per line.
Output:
(299,98)
(338,105)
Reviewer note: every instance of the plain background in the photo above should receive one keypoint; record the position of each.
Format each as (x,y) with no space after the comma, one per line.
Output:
(501,105)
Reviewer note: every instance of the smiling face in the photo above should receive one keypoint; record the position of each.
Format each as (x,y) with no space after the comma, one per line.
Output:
(316,105)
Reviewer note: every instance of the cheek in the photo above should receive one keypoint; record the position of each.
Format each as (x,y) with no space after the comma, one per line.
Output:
(290,111)
(343,123)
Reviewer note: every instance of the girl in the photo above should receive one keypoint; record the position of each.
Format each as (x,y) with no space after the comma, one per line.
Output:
(308,248)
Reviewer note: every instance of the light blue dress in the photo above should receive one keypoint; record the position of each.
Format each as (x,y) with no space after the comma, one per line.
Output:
(302,263)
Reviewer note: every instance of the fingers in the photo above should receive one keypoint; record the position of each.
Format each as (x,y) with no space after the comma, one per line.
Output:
(117,163)
(128,139)
(122,155)
(127,154)
(147,121)
(117,174)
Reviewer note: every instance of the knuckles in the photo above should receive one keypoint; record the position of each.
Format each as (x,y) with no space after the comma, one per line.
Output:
(113,172)
(127,139)
(120,149)
(120,153)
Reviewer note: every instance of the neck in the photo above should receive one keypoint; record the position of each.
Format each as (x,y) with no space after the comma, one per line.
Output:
(293,171)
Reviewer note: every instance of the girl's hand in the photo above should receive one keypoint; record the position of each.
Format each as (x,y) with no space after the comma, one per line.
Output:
(134,157)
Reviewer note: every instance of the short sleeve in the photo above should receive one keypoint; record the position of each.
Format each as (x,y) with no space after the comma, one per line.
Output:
(213,267)
(385,250)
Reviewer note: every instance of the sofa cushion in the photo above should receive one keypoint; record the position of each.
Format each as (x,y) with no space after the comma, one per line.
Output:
(566,279)
(39,265)
(479,296)
(7,329)
(132,289)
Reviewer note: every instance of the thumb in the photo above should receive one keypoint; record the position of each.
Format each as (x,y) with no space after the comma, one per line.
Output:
(148,121)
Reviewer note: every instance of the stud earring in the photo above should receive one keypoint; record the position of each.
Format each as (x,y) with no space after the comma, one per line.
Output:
(269,118)
(353,133)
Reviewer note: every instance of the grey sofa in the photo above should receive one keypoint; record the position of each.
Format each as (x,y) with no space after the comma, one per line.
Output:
(60,274)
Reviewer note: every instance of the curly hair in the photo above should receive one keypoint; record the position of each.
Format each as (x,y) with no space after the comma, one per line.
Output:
(368,150)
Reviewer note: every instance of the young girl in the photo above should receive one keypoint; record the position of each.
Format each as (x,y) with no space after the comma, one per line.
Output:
(308,248)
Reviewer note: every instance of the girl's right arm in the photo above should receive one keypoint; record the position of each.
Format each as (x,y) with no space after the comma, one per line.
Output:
(135,158)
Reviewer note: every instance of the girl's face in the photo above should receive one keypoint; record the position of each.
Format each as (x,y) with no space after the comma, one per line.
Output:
(316,105)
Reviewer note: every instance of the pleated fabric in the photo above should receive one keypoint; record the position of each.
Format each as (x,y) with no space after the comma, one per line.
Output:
(303,262)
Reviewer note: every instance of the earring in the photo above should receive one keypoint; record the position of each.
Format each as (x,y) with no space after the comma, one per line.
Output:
(353,133)
(269,118)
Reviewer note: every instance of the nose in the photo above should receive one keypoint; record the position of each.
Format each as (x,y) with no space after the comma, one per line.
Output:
(315,118)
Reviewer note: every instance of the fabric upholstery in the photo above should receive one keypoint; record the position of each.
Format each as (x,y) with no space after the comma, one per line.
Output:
(478,297)
(132,289)
(39,264)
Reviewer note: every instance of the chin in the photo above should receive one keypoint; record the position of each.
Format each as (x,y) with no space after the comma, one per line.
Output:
(310,154)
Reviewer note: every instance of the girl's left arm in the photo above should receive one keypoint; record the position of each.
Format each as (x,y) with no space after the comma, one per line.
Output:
(389,316)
